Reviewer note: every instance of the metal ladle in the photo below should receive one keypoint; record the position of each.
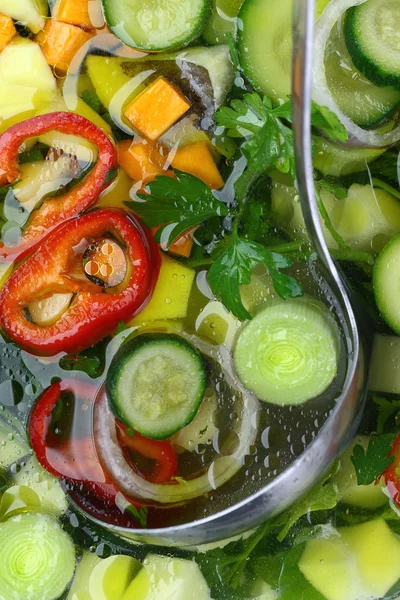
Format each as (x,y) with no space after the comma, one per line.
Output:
(305,471)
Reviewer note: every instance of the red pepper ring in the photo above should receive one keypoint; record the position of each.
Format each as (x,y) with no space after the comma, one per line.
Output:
(392,473)
(73,459)
(56,267)
(162,452)
(54,211)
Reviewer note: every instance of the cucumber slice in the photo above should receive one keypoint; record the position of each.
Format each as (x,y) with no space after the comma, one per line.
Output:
(366,104)
(156,384)
(340,161)
(222,21)
(51,495)
(154,25)
(266,59)
(165,578)
(37,558)
(12,446)
(279,354)
(372,38)
(370,496)
(386,280)
(29,12)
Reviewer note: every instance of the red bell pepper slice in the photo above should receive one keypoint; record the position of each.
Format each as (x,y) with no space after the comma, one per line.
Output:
(57,267)
(162,452)
(74,459)
(392,473)
(54,211)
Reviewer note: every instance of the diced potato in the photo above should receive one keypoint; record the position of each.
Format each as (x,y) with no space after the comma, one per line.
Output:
(74,12)
(30,13)
(156,109)
(7,31)
(171,295)
(198,160)
(60,42)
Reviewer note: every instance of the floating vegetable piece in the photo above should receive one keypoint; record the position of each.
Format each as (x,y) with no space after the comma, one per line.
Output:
(288,353)
(156,109)
(74,12)
(171,294)
(142,160)
(30,13)
(57,265)
(79,589)
(386,278)
(54,211)
(156,383)
(198,160)
(37,558)
(111,577)
(18,499)
(60,42)
(48,311)
(159,25)
(7,31)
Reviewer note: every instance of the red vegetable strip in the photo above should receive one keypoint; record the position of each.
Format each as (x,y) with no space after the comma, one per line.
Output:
(54,211)
(166,466)
(392,473)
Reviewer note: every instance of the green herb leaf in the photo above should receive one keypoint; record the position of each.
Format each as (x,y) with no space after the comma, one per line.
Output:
(177,205)
(292,583)
(91,98)
(30,156)
(328,122)
(323,496)
(370,464)
(233,268)
(140,515)
(386,409)
(90,361)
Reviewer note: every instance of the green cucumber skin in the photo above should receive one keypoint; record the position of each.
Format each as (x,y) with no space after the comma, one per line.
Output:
(361,60)
(378,280)
(121,358)
(182,42)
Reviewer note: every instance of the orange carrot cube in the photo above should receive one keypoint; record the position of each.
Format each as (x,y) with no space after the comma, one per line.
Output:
(142,160)
(74,12)
(156,109)
(198,160)
(7,31)
(60,42)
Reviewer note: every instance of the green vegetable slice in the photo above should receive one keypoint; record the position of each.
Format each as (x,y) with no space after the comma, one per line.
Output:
(372,38)
(288,353)
(37,558)
(157,24)
(386,278)
(156,384)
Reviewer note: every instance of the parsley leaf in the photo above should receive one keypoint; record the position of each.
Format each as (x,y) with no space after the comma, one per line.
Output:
(370,464)
(323,496)
(386,409)
(91,361)
(177,205)
(233,268)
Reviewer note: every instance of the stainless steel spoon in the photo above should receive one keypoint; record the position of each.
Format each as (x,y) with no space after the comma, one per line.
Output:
(304,472)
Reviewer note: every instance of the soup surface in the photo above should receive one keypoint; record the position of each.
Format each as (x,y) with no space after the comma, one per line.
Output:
(168,342)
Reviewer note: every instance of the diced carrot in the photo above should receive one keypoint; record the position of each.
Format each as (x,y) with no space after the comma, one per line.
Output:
(60,42)
(198,160)
(143,160)
(156,109)
(183,246)
(7,31)
(74,12)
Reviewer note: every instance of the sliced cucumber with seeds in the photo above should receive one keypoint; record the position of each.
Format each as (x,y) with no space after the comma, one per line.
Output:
(155,25)
(386,280)
(373,40)
(156,384)
(288,353)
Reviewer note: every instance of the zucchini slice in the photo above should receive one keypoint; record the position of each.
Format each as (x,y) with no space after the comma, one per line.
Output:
(279,354)
(156,384)
(154,25)
(372,38)
(37,558)
(386,280)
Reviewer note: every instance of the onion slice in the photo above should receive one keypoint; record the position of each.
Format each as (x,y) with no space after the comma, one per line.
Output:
(132,485)
(321,92)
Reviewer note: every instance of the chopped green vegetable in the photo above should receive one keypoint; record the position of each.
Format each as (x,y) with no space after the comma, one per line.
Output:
(182,203)
(370,464)
(386,409)
(233,268)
